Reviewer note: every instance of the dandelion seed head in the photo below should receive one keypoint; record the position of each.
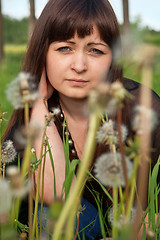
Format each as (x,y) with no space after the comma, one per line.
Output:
(149,114)
(23,190)
(12,171)
(31,97)
(99,97)
(150,234)
(108,169)
(56,111)
(18,187)
(33,158)
(8,152)
(122,220)
(16,181)
(145,54)
(119,92)
(33,150)
(34,130)
(5,197)
(22,90)
(111,107)
(2,118)
(108,133)
(51,115)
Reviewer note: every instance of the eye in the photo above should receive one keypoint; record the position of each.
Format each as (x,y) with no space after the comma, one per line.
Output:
(96,51)
(64,49)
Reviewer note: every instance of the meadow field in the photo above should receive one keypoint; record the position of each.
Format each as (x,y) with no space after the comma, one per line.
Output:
(12,65)
(9,68)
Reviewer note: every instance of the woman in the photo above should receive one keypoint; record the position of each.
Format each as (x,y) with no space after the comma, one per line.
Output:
(71,52)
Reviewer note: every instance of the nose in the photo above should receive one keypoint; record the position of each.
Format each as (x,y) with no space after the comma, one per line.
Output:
(79,62)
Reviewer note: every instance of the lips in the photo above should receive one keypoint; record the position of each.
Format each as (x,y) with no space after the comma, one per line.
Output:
(78,82)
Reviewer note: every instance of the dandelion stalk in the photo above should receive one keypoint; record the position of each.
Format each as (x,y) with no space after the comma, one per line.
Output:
(38,184)
(145,138)
(4,167)
(121,199)
(77,228)
(30,209)
(26,114)
(26,164)
(133,186)
(26,161)
(115,211)
(119,120)
(70,224)
(43,169)
(113,149)
(94,123)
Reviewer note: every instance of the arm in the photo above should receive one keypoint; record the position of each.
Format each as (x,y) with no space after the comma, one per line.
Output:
(38,114)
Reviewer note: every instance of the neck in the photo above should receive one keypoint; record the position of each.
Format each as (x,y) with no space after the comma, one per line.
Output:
(73,108)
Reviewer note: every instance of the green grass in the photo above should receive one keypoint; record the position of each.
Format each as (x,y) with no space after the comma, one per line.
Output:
(9,68)
(133,72)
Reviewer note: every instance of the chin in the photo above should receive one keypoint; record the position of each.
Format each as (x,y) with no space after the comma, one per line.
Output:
(78,96)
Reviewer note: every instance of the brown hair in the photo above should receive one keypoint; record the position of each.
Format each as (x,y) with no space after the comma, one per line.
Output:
(59,20)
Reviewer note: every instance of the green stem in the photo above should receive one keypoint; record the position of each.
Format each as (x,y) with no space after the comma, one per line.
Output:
(38,184)
(70,224)
(115,210)
(119,121)
(15,211)
(133,186)
(42,190)
(86,162)
(30,208)
(26,161)
(4,167)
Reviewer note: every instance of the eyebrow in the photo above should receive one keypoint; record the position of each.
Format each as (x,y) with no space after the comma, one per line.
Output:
(89,44)
(102,44)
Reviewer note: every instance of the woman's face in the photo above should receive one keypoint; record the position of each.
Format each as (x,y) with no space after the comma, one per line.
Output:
(77,65)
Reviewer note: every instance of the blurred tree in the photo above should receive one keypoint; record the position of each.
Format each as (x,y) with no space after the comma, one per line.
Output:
(32,18)
(126,27)
(1,34)
(15,31)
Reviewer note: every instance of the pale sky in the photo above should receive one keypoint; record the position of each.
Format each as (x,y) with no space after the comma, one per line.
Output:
(149,10)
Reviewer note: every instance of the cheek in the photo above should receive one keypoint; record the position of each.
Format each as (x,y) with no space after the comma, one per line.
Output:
(105,66)
(51,69)
(100,73)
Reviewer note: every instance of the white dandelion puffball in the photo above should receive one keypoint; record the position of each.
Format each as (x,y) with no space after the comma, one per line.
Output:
(5,197)
(149,114)
(109,171)
(24,82)
(108,133)
(8,152)
(122,219)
